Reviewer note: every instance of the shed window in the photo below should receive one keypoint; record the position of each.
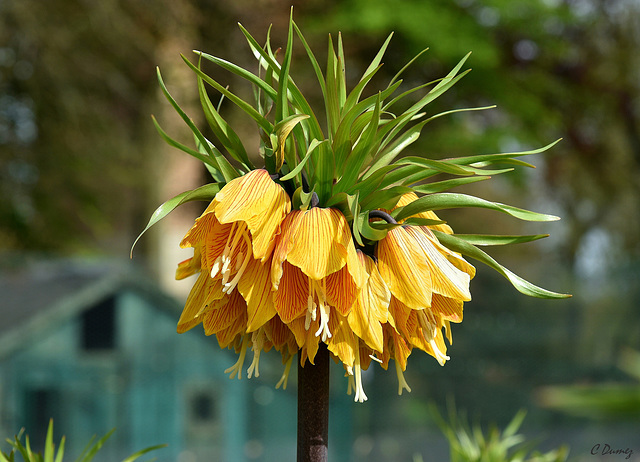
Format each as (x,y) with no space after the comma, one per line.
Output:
(203,407)
(99,325)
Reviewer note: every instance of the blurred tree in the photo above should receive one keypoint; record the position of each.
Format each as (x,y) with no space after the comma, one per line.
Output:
(79,158)
(555,69)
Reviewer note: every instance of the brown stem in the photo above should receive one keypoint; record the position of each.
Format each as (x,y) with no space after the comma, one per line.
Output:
(313,408)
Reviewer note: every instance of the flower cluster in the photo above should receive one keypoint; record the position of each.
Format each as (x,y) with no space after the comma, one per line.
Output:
(332,239)
(272,277)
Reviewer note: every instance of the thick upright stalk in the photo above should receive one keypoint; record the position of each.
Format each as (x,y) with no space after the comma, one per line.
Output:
(313,408)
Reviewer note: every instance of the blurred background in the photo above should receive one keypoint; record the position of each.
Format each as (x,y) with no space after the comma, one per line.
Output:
(88,337)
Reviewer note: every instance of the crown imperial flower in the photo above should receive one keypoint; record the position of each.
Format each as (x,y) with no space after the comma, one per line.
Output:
(334,239)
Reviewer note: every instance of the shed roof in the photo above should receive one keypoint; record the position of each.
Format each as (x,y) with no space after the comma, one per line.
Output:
(38,293)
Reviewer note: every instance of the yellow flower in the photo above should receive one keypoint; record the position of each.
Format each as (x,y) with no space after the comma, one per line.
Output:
(315,270)
(428,284)
(233,241)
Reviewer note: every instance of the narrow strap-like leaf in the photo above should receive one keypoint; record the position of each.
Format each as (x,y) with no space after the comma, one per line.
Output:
(206,159)
(523,286)
(453,200)
(142,452)
(487,159)
(219,161)
(223,131)
(241,72)
(246,107)
(203,193)
(282,109)
(282,130)
(440,186)
(298,168)
(492,239)
(404,68)
(313,60)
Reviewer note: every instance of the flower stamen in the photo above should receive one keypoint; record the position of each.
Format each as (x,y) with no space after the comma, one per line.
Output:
(237,367)
(257,341)
(402,383)
(229,286)
(285,375)
(324,315)
(360,397)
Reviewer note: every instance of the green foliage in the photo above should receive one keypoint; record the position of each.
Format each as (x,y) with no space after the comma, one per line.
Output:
(472,444)
(616,401)
(50,454)
(354,163)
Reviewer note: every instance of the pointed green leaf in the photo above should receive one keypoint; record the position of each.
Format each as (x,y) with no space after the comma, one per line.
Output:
(492,239)
(314,61)
(246,107)
(523,286)
(241,72)
(142,452)
(314,144)
(404,68)
(488,159)
(384,198)
(357,157)
(60,453)
(48,443)
(222,130)
(282,109)
(453,200)
(203,193)
(332,100)
(439,186)
(282,130)
(96,447)
(217,160)
(375,63)
(441,166)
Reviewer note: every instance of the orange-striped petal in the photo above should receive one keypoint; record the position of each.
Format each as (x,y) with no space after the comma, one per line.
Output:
(370,309)
(203,293)
(446,279)
(341,290)
(404,269)
(342,342)
(259,202)
(255,287)
(291,299)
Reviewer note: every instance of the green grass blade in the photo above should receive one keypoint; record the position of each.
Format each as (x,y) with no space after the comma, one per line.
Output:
(332,100)
(49,447)
(441,166)
(142,452)
(60,454)
(93,450)
(488,159)
(216,159)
